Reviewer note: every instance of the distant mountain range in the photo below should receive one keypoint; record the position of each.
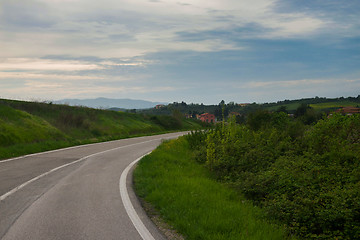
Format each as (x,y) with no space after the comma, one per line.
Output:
(107,103)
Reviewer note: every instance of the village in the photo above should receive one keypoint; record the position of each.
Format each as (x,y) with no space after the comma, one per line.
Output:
(211,118)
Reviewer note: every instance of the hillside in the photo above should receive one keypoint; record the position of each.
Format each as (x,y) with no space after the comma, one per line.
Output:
(18,127)
(27,127)
(319,104)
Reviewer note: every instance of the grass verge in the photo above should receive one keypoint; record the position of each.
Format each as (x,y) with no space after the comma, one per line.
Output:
(193,203)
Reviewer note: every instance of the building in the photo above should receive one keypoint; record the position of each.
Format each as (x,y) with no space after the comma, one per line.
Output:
(159,106)
(243,104)
(207,117)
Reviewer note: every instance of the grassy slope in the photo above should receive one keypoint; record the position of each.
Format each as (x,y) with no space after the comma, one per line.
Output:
(334,105)
(317,106)
(18,127)
(196,205)
(28,127)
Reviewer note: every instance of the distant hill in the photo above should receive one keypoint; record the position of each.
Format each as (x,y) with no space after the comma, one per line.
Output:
(106,103)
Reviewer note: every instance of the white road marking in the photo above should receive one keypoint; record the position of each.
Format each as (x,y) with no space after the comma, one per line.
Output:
(62,149)
(14,190)
(58,150)
(139,225)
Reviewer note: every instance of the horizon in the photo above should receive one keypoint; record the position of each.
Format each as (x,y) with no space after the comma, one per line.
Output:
(188,103)
(172,51)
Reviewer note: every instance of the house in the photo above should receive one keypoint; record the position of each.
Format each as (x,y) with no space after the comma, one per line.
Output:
(243,104)
(207,117)
(159,106)
(348,110)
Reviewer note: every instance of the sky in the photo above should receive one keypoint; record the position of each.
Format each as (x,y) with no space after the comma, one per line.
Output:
(197,51)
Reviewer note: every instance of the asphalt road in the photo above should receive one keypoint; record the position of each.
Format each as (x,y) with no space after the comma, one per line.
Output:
(80,199)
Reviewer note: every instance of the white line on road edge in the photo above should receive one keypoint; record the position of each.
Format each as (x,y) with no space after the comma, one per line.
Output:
(65,165)
(36,178)
(63,149)
(139,225)
(60,149)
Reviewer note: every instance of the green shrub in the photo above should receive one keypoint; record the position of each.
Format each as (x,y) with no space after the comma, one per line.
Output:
(307,177)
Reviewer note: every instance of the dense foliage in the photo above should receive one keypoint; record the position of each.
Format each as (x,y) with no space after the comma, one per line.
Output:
(305,176)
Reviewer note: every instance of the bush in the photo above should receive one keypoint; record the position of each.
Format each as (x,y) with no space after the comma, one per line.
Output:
(307,177)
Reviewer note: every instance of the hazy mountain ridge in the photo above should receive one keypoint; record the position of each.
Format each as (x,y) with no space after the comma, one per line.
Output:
(107,103)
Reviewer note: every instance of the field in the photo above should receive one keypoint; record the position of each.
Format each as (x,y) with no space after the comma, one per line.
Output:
(333,105)
(326,106)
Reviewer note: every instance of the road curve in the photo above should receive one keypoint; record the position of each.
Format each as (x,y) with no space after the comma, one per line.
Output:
(80,199)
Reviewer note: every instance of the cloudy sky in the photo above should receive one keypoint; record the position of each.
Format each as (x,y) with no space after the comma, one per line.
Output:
(179,50)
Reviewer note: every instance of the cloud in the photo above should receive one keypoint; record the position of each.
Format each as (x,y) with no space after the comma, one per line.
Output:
(135,28)
(44,65)
(286,84)
(149,47)
(27,75)
(292,25)
(53,90)
(263,91)
(17,14)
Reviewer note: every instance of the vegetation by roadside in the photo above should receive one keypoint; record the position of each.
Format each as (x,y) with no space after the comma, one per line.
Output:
(188,197)
(304,176)
(29,127)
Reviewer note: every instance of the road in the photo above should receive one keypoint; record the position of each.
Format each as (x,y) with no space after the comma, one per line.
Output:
(74,193)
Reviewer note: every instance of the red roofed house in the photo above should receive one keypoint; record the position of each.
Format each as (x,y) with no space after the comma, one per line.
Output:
(207,117)
(159,106)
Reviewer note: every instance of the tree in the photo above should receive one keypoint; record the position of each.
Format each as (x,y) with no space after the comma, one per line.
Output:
(301,110)
(282,109)
(306,114)
(259,119)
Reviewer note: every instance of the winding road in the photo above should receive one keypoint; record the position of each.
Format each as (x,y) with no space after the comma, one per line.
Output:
(81,192)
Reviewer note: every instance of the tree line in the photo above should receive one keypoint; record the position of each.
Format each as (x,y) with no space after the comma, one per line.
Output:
(225,109)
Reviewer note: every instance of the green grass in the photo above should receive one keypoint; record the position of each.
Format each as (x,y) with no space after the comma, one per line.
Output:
(317,106)
(195,204)
(333,105)
(29,127)
(20,127)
